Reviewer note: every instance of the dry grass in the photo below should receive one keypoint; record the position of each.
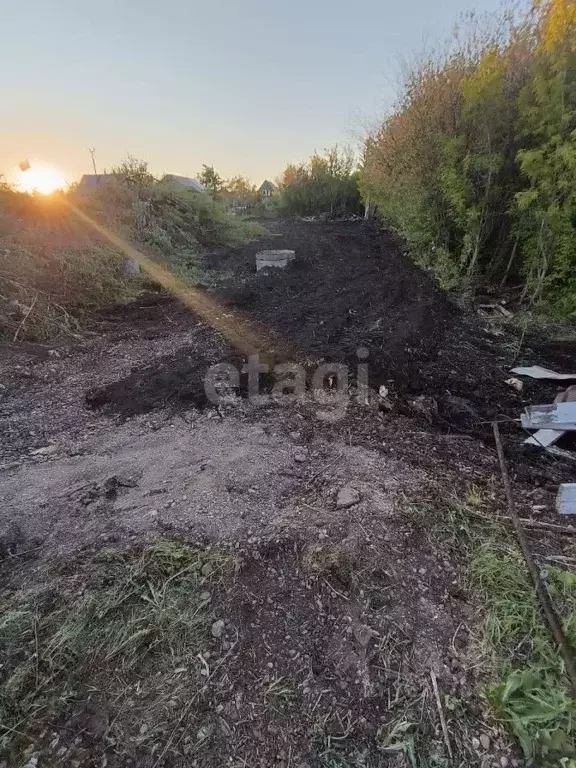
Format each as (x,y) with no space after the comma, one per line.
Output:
(133,640)
(55,270)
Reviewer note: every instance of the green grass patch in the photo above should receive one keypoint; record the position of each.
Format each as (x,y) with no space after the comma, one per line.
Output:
(531,695)
(129,643)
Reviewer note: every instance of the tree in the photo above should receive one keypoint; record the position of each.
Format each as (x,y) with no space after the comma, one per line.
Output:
(239,191)
(134,171)
(211,180)
(326,183)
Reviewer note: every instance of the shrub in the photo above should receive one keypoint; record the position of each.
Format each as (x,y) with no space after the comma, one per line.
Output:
(54,269)
(325,184)
(476,166)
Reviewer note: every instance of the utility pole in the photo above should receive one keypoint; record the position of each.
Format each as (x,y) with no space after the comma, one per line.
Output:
(92,152)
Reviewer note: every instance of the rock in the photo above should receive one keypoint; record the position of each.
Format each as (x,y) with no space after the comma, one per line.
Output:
(475,743)
(504,761)
(205,596)
(363,635)
(47,450)
(485,741)
(347,497)
(207,569)
(300,457)
(218,628)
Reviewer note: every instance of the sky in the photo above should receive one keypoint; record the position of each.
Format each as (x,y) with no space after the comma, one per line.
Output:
(244,85)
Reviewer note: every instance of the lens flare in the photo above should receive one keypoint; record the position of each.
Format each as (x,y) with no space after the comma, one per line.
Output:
(43,179)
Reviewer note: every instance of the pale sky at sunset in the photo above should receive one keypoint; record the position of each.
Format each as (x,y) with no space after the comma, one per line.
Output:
(246,85)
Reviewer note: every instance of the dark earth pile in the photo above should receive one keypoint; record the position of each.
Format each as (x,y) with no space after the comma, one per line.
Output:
(351,287)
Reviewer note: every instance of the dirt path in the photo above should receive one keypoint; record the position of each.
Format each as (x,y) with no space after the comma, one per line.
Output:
(345,596)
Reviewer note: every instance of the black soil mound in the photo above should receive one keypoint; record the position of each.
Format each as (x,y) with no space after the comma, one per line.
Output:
(350,288)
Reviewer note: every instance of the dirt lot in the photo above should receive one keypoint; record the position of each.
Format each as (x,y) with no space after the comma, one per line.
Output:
(347,530)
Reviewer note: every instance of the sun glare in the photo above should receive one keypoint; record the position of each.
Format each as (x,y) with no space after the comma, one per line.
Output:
(40,178)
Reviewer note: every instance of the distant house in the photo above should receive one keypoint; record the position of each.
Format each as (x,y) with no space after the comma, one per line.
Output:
(267,189)
(90,181)
(185,181)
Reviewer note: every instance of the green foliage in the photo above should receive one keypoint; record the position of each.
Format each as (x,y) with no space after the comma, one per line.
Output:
(54,269)
(240,193)
(531,695)
(133,171)
(211,180)
(476,167)
(325,184)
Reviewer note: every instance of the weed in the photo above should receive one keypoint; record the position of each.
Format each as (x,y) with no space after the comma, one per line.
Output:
(455,523)
(330,562)
(531,695)
(281,693)
(399,738)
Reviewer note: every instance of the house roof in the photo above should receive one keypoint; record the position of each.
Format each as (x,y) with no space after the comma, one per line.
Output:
(266,185)
(91,180)
(185,181)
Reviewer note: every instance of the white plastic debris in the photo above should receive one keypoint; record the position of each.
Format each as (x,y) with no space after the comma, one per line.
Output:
(515,384)
(544,438)
(566,499)
(556,416)
(538,372)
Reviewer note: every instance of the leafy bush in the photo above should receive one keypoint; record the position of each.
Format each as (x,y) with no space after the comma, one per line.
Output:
(476,167)
(55,268)
(326,183)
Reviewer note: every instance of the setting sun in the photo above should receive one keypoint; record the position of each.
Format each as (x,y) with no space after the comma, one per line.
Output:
(40,178)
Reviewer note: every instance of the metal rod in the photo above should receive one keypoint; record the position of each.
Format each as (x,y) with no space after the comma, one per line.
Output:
(548,611)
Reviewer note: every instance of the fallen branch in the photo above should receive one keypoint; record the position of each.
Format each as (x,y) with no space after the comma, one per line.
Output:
(541,592)
(26,316)
(441,713)
(528,523)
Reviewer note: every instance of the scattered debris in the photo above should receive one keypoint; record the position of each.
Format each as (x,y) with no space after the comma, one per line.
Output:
(544,438)
(538,372)
(515,384)
(566,499)
(556,416)
(568,396)
(550,421)
(441,713)
(11,540)
(46,450)
(493,308)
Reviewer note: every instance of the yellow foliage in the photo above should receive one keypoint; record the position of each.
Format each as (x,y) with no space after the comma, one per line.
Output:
(558,23)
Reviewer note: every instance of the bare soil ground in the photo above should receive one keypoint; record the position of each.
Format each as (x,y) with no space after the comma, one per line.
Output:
(340,603)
